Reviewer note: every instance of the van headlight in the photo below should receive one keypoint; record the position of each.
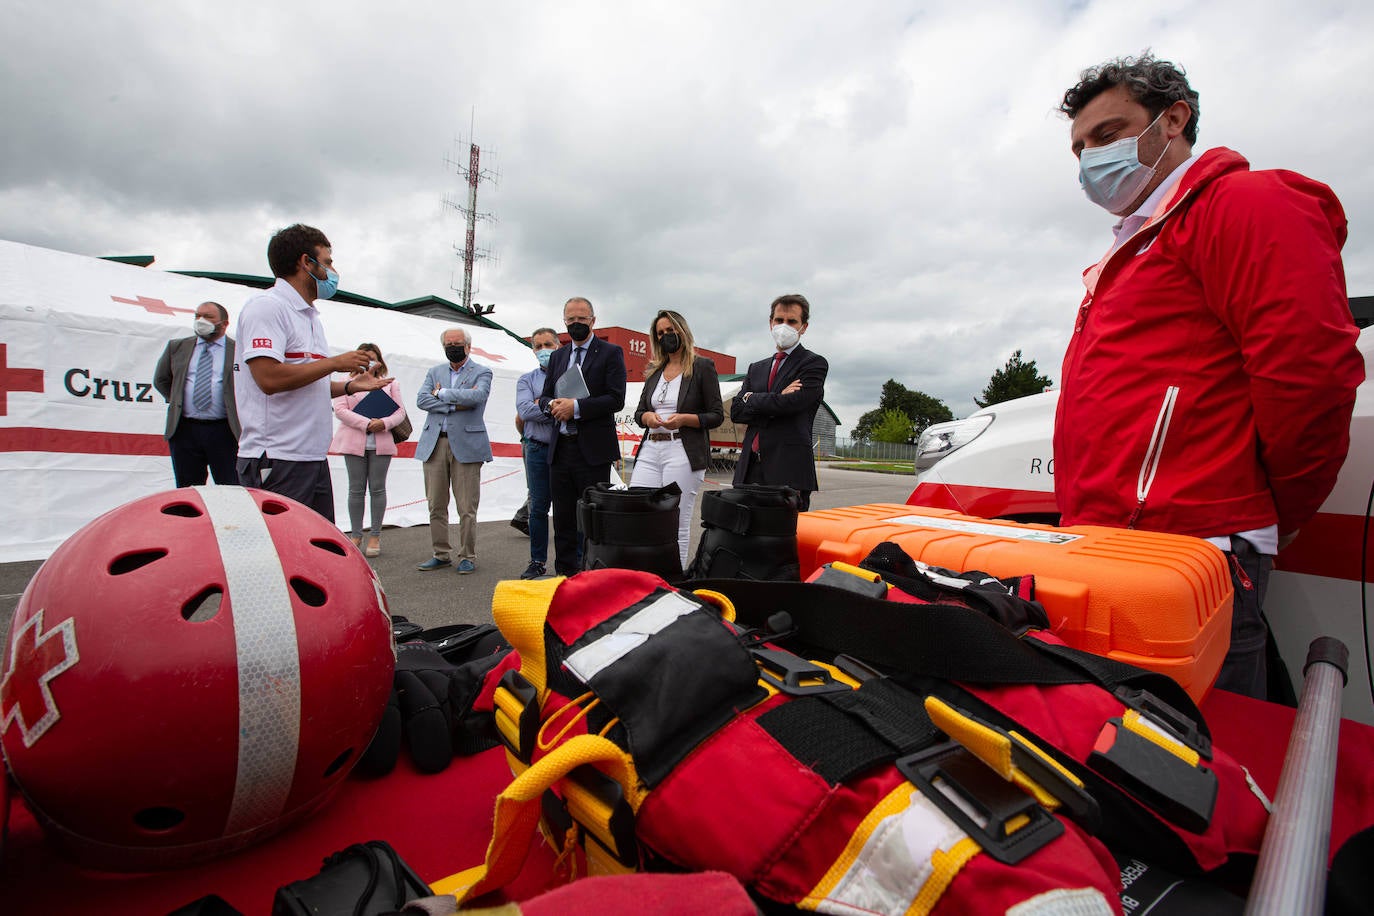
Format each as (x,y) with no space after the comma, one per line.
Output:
(940,439)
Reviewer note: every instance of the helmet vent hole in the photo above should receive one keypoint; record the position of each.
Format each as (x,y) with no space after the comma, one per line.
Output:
(159,819)
(185,510)
(204,606)
(132,561)
(330,546)
(338,763)
(272,507)
(309,592)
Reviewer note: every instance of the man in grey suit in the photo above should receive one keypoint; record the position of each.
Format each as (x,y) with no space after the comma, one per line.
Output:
(453,446)
(196,376)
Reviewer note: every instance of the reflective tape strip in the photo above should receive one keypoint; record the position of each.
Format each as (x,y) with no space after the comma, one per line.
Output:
(269,673)
(632,633)
(899,860)
(1081,901)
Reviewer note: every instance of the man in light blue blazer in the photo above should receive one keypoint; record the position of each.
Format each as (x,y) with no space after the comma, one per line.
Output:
(453,446)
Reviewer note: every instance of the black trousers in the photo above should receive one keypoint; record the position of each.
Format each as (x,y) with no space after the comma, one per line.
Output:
(1244,669)
(306,482)
(201,446)
(569,475)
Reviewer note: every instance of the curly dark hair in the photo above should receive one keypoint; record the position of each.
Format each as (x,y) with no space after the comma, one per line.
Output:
(289,244)
(1154,83)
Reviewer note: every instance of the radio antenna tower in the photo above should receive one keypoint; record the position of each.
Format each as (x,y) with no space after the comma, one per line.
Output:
(472,173)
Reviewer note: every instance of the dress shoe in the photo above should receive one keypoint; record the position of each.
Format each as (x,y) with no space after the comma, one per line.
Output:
(431,564)
(521,525)
(466,566)
(534,571)
(374,547)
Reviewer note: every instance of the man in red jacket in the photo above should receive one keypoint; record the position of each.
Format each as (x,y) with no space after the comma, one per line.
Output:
(1208,386)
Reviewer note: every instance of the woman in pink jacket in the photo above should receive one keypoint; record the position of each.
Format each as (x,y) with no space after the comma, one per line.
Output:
(367,447)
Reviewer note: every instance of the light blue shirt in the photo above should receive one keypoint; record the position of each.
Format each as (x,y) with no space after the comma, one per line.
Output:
(188,403)
(528,387)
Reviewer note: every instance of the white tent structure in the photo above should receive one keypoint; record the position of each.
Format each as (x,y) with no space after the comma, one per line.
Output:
(81,425)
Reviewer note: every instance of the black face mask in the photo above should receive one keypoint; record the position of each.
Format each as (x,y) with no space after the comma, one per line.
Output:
(670,342)
(456,353)
(579,331)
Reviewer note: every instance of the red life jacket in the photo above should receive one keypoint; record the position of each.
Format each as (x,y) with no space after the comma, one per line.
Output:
(649,728)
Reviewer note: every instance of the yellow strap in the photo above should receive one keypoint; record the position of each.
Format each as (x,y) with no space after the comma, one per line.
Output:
(995,749)
(722,602)
(1134,721)
(989,746)
(867,575)
(520,607)
(518,810)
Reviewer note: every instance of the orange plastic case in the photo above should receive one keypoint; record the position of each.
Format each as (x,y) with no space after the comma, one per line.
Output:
(1158,601)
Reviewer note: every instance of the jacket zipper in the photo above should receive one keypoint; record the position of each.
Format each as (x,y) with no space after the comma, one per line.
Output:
(1150,466)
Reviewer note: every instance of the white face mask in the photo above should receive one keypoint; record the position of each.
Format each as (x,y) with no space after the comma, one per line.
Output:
(785,336)
(1113,176)
(203,328)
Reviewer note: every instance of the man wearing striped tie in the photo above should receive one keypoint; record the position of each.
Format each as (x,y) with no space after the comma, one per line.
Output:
(195,376)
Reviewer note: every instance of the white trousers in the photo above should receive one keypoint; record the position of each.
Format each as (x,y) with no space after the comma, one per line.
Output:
(662,463)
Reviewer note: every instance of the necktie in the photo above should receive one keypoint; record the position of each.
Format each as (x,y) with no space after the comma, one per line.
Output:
(773,373)
(778,357)
(200,394)
(577,353)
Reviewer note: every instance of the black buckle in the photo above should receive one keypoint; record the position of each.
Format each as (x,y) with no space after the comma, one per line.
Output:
(839,578)
(527,724)
(1179,792)
(597,803)
(1006,822)
(791,674)
(1181,727)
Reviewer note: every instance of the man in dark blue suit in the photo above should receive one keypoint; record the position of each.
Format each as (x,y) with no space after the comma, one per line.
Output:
(778,402)
(586,441)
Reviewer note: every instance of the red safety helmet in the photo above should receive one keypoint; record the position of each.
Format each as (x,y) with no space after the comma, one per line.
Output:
(191,672)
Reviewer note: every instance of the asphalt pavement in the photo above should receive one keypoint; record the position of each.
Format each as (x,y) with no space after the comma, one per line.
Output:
(443,596)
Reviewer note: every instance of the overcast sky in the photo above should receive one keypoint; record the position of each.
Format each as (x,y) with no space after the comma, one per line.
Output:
(902,164)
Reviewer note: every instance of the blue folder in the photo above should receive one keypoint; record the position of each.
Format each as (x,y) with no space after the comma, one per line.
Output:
(376,406)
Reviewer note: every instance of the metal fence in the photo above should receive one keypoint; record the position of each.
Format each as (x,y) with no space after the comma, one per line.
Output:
(874,451)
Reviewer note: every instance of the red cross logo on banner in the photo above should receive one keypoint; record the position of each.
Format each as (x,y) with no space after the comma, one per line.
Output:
(16,380)
(154,306)
(478,351)
(35,659)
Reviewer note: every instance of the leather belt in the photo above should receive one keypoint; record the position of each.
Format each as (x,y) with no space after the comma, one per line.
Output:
(199,420)
(664,437)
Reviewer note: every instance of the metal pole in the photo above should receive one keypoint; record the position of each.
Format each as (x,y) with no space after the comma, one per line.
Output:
(1290,878)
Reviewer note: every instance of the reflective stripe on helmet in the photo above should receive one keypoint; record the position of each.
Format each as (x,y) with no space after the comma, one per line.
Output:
(269,674)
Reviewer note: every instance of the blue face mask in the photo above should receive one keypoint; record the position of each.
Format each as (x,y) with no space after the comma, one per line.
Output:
(1113,176)
(543,357)
(326,288)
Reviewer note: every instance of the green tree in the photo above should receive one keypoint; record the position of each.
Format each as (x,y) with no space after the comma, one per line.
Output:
(917,406)
(1016,379)
(894,426)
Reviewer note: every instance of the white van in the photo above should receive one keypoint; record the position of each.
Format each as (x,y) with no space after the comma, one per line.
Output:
(999,463)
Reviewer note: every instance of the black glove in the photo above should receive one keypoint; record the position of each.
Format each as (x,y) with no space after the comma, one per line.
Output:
(438,677)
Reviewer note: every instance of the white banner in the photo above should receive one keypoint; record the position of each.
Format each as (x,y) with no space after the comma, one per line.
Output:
(81,425)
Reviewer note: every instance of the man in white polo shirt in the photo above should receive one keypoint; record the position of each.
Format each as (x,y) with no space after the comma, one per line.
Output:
(283,398)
